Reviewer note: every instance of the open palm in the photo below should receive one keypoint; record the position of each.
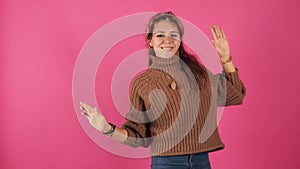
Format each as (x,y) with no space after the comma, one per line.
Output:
(95,117)
(220,42)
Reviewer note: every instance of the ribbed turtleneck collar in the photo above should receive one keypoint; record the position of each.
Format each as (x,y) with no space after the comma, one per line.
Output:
(169,64)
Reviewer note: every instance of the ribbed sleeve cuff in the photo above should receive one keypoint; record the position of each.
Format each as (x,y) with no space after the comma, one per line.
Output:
(233,77)
(133,139)
(235,88)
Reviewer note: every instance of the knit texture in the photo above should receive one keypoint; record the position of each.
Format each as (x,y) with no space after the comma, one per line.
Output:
(171,113)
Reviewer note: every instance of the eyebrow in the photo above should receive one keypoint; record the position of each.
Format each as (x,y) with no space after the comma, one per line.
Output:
(170,32)
(174,32)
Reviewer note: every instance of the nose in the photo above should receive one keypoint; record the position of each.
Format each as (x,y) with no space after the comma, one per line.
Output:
(168,39)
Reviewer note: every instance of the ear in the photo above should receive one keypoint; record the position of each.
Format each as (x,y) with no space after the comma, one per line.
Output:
(150,44)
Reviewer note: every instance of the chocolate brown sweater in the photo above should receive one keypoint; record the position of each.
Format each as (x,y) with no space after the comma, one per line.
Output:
(173,114)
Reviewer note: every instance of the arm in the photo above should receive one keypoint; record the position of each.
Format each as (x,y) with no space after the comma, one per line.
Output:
(222,47)
(134,132)
(137,124)
(98,121)
(231,89)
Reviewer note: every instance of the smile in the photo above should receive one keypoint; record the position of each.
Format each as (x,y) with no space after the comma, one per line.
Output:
(167,48)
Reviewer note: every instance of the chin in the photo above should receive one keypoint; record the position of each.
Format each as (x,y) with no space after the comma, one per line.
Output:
(166,55)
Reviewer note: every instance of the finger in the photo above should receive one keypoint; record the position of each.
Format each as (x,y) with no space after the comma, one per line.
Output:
(213,32)
(82,108)
(223,34)
(218,32)
(85,114)
(81,103)
(86,106)
(96,110)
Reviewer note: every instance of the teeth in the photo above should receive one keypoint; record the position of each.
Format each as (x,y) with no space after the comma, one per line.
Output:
(167,48)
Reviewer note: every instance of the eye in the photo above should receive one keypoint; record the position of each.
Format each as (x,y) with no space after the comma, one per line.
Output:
(174,35)
(160,35)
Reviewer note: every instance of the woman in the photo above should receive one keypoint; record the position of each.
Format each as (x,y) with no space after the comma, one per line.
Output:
(174,103)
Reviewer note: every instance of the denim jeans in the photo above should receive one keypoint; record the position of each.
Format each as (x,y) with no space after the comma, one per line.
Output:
(191,161)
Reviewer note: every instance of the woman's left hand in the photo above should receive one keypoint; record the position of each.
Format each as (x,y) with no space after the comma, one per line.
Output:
(220,43)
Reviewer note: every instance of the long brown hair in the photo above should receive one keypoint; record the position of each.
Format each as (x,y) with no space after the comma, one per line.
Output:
(199,71)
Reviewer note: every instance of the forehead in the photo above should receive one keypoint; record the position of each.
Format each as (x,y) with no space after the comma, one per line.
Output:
(165,26)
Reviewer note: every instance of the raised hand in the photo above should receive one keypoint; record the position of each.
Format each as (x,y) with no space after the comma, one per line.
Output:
(220,43)
(95,117)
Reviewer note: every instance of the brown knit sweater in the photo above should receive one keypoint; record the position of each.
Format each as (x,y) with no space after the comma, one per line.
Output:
(173,114)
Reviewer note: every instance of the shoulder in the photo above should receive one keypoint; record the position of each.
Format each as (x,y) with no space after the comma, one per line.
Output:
(140,78)
(146,79)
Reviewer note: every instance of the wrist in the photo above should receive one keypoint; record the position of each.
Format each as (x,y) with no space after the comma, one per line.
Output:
(106,128)
(110,130)
(227,60)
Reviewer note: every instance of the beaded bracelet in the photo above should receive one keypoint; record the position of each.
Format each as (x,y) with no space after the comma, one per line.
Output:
(227,61)
(111,131)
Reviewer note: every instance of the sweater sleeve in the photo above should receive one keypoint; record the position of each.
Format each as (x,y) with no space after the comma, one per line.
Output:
(231,90)
(137,123)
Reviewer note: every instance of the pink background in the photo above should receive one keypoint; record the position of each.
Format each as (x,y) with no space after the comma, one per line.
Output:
(40,42)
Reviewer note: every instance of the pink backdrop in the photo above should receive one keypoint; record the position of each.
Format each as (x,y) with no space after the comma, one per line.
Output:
(41,40)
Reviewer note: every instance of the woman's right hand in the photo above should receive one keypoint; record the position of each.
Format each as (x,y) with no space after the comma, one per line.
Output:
(96,118)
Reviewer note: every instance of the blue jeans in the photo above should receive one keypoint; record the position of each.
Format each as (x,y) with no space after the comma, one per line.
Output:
(191,161)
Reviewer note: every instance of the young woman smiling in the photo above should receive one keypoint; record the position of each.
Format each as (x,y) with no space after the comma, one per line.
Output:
(174,103)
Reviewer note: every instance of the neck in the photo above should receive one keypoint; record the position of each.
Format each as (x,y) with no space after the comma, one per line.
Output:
(165,64)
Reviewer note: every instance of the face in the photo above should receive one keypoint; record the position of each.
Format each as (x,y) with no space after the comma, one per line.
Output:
(165,39)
